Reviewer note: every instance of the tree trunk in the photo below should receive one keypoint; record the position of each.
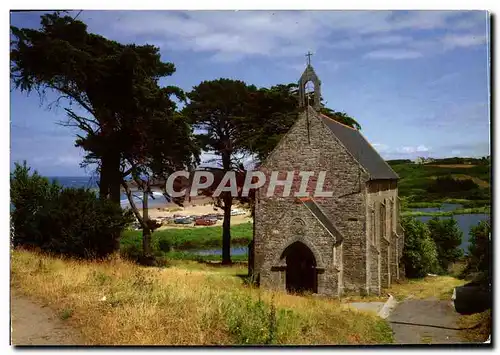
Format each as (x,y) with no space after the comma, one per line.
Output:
(226,230)
(104,178)
(110,177)
(115,178)
(146,232)
(226,225)
(143,220)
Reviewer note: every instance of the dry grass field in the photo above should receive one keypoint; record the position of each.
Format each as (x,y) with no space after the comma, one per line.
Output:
(116,302)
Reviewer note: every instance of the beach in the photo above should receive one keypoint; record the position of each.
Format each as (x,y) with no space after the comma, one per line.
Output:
(197,207)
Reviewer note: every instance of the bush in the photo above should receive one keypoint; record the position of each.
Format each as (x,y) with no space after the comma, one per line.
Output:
(30,197)
(447,236)
(419,252)
(71,222)
(445,184)
(479,257)
(164,245)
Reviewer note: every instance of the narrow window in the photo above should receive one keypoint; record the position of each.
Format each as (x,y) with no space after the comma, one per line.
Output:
(382,220)
(391,216)
(373,228)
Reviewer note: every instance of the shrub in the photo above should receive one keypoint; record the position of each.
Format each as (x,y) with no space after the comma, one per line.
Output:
(448,237)
(30,196)
(80,224)
(419,252)
(131,252)
(445,184)
(164,245)
(71,222)
(479,256)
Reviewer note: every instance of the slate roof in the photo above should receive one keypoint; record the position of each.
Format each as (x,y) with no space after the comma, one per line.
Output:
(316,210)
(361,150)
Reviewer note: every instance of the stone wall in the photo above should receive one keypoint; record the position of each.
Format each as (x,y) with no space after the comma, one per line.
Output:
(381,201)
(346,209)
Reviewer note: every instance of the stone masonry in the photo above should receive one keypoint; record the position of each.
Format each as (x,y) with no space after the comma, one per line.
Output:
(353,238)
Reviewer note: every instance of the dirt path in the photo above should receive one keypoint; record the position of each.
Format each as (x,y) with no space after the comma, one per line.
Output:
(32,324)
(429,321)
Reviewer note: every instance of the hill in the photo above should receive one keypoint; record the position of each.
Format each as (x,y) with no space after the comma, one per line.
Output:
(444,180)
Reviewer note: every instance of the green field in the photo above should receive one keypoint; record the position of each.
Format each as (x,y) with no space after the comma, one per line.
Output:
(476,210)
(179,243)
(418,185)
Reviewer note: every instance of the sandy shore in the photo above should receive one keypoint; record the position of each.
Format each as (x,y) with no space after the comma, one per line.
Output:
(199,208)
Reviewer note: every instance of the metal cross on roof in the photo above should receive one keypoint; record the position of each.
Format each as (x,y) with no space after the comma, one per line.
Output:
(308,55)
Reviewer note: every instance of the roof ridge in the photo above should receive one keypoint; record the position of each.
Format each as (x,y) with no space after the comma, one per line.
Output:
(362,151)
(342,124)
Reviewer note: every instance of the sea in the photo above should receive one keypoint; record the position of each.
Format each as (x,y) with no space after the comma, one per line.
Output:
(89,182)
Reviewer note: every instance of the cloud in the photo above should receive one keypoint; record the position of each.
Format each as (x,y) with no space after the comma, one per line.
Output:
(453,41)
(472,149)
(234,35)
(395,54)
(402,151)
(411,150)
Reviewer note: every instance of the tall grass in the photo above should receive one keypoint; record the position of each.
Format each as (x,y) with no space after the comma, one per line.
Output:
(116,302)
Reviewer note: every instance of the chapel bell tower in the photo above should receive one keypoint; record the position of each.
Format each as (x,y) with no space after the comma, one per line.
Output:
(309,76)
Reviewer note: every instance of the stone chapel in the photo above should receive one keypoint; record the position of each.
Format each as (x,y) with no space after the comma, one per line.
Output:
(348,243)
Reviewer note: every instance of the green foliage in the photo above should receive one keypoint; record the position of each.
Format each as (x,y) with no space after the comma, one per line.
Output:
(252,321)
(480,249)
(418,182)
(187,255)
(82,225)
(30,195)
(448,237)
(164,245)
(274,111)
(71,222)
(128,125)
(131,251)
(444,184)
(191,238)
(398,161)
(420,256)
(221,109)
(476,210)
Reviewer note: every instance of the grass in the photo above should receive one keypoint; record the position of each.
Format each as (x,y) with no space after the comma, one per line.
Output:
(193,238)
(479,326)
(468,203)
(464,202)
(440,287)
(415,179)
(423,205)
(66,314)
(186,255)
(117,302)
(474,210)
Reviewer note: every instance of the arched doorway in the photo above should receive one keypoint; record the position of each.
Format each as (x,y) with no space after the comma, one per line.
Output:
(301,274)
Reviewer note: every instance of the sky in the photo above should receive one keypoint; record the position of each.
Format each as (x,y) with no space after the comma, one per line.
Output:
(416,81)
